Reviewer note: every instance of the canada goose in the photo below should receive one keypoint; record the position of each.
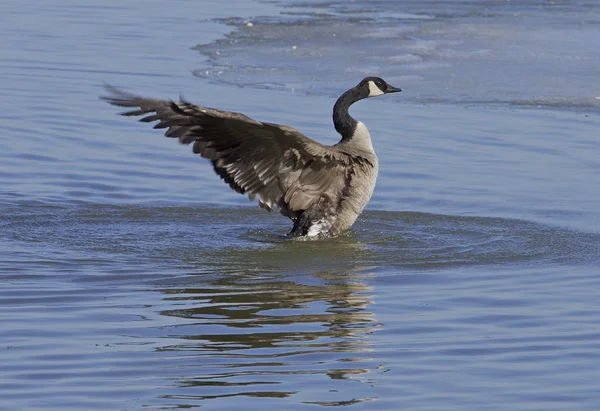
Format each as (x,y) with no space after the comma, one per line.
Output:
(322,189)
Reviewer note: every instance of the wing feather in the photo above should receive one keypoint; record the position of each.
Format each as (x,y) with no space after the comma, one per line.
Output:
(277,164)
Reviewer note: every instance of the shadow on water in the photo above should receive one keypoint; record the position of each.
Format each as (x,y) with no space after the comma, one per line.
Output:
(233,240)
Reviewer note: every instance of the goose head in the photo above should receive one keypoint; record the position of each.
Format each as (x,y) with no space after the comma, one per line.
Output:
(374,86)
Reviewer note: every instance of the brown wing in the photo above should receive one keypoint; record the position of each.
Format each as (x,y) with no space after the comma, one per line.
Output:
(275,163)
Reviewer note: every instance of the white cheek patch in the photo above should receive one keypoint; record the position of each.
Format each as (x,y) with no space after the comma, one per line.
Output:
(374,90)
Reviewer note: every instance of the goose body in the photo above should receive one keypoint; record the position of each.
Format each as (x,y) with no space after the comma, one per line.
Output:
(322,189)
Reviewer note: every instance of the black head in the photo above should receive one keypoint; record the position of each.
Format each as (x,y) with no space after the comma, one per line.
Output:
(368,87)
(374,86)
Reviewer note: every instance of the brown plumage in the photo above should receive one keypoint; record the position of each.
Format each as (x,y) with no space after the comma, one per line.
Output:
(321,188)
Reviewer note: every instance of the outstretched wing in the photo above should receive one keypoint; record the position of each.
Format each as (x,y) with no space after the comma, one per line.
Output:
(277,164)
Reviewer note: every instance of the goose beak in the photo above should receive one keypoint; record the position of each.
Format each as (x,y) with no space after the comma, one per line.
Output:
(392,89)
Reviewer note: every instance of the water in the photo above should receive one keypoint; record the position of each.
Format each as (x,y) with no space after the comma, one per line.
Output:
(132,278)
(535,53)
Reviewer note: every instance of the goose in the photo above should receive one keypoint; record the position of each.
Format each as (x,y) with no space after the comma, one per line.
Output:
(322,189)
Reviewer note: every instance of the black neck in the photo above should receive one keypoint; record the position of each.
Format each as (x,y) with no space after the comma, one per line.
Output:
(342,120)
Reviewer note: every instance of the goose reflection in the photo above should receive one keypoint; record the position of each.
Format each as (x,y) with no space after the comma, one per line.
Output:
(271,334)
